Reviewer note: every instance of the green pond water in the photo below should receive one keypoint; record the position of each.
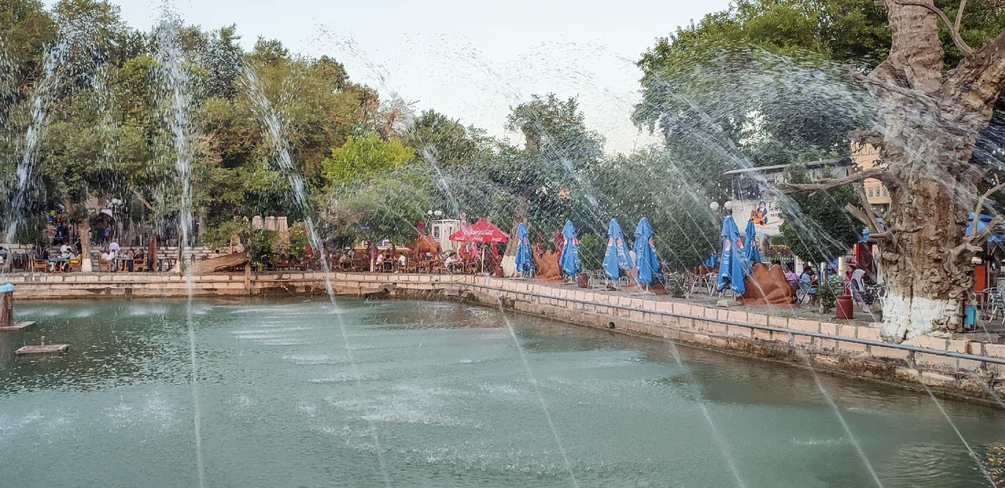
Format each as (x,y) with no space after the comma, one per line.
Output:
(449,397)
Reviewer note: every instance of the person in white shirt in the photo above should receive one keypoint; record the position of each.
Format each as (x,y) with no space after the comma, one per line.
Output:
(114,248)
(402,260)
(64,251)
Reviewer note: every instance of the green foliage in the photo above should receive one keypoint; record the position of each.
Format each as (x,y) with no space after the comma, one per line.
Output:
(671,187)
(445,140)
(363,158)
(827,292)
(219,235)
(383,208)
(591,250)
(817,229)
(299,240)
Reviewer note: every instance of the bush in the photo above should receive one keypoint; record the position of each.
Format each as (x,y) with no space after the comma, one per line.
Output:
(219,236)
(591,250)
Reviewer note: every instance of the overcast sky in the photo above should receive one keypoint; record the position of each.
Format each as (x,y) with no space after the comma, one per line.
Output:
(471,60)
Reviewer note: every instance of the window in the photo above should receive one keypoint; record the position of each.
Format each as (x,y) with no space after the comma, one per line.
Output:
(436,232)
(870,193)
(885,194)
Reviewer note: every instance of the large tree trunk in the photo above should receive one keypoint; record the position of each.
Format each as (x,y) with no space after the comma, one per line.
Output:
(929,121)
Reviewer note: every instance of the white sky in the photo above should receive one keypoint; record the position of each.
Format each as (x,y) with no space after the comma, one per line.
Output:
(471,60)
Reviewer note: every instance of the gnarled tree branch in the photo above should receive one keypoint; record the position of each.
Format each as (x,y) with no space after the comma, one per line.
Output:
(954,30)
(983,198)
(825,185)
(959,14)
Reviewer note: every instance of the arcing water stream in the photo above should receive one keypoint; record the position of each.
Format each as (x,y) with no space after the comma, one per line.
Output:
(271,120)
(178,84)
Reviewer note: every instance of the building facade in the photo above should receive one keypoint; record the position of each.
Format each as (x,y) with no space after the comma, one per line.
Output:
(755,191)
(866,156)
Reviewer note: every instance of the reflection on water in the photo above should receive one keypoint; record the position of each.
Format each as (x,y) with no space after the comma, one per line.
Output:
(448,394)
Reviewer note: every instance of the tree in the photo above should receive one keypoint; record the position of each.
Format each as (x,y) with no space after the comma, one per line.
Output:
(929,120)
(443,140)
(362,158)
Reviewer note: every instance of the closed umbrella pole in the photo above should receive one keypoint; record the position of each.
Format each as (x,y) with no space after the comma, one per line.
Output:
(616,257)
(730,267)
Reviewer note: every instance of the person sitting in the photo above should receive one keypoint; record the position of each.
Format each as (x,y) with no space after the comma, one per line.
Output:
(380,261)
(402,260)
(808,284)
(858,288)
(792,278)
(65,251)
(105,259)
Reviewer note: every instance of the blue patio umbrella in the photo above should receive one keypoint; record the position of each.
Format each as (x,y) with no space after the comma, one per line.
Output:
(730,265)
(523,257)
(617,256)
(750,250)
(645,254)
(711,261)
(570,251)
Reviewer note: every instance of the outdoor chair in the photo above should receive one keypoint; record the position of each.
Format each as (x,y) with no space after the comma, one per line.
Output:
(139,264)
(76,262)
(39,265)
(996,303)
(104,266)
(438,267)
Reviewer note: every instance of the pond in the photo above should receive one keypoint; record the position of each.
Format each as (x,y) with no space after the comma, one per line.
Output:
(445,400)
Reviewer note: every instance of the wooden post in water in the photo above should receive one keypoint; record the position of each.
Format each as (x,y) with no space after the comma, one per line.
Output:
(7,308)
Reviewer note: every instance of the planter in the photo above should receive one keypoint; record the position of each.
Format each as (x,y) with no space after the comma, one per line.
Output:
(844,307)
(582,280)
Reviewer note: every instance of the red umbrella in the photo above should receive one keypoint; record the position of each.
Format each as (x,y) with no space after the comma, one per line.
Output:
(481,231)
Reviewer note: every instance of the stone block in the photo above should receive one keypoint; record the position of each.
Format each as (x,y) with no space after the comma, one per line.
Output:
(959,346)
(804,325)
(931,378)
(739,331)
(761,334)
(969,365)
(716,328)
(736,316)
(757,319)
(869,334)
(711,313)
(722,314)
(827,344)
(682,308)
(847,331)
(776,321)
(852,347)
(828,328)
(889,352)
(995,350)
(927,342)
(665,307)
(637,303)
(781,337)
(935,361)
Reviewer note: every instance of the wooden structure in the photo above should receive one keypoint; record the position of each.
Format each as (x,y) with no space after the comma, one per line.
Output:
(548,269)
(219,263)
(43,349)
(767,286)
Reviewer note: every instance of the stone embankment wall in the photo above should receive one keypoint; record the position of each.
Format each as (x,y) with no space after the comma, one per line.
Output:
(959,368)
